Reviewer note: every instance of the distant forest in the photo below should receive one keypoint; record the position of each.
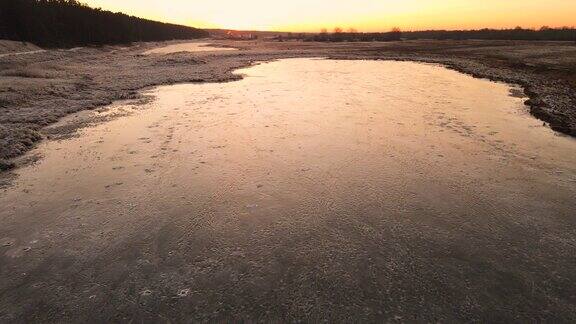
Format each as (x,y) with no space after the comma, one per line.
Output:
(542,34)
(67,23)
(352,35)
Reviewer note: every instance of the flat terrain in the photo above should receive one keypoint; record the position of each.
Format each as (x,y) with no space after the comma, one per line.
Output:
(311,190)
(39,87)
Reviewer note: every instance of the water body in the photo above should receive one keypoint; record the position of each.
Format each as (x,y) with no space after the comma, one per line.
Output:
(188,47)
(343,190)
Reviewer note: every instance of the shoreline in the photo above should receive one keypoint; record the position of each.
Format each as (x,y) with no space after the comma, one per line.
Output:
(26,127)
(537,107)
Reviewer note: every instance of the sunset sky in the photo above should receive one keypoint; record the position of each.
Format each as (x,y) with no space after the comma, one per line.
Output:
(364,15)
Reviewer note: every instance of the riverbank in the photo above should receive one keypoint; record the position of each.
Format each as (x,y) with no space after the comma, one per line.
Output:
(39,88)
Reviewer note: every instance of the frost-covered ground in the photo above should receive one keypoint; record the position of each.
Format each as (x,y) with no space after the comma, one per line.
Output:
(38,87)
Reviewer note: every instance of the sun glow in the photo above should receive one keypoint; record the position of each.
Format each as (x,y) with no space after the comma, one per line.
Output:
(364,15)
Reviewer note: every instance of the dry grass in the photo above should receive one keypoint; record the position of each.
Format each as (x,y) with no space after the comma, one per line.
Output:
(25,72)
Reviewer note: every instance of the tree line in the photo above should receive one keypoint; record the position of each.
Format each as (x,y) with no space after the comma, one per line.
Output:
(542,34)
(67,23)
(351,35)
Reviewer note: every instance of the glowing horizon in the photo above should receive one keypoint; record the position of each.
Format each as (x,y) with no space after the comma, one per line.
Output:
(363,15)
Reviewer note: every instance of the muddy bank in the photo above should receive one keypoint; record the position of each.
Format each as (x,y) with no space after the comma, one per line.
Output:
(12,47)
(39,88)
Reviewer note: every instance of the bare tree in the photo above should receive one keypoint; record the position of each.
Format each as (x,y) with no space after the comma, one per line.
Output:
(396,34)
(338,30)
(352,30)
(323,31)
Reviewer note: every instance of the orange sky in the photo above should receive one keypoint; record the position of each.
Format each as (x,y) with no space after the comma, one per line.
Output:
(364,15)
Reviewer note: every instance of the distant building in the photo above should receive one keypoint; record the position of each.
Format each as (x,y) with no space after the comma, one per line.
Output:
(240,35)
